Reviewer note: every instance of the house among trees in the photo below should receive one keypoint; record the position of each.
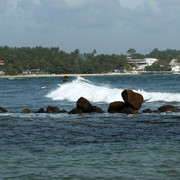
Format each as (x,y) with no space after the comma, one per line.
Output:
(2,62)
(32,71)
(175,65)
(140,64)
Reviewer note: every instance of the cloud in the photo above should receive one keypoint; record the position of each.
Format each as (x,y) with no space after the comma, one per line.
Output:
(74,4)
(82,14)
(131,4)
(107,25)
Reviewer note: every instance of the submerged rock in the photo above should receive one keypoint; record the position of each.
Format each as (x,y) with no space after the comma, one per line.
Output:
(147,111)
(26,111)
(63,111)
(133,99)
(3,110)
(168,108)
(65,79)
(41,110)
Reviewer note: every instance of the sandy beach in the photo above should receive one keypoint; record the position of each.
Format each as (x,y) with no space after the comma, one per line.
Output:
(62,75)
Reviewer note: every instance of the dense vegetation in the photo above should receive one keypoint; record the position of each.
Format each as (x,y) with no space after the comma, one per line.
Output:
(164,57)
(55,61)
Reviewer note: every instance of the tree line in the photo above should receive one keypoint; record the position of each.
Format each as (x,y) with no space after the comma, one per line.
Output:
(55,61)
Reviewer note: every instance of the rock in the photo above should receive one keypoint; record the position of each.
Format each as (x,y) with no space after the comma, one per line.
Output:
(147,111)
(116,107)
(84,105)
(129,110)
(121,107)
(96,109)
(26,111)
(168,108)
(63,111)
(65,79)
(52,109)
(3,110)
(132,98)
(41,110)
(76,111)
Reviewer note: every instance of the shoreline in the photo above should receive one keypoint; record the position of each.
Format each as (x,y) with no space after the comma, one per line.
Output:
(62,75)
(76,75)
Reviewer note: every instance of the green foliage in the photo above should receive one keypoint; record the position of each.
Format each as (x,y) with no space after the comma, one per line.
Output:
(158,67)
(164,57)
(131,51)
(55,61)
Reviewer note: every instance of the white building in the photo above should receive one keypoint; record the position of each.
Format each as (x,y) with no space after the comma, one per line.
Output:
(2,73)
(175,65)
(140,64)
(150,61)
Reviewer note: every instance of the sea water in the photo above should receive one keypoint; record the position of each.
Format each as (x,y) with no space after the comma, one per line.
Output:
(89,146)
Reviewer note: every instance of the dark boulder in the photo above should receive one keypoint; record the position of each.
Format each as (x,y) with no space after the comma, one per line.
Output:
(116,107)
(52,109)
(121,107)
(133,99)
(76,111)
(26,111)
(41,110)
(168,108)
(96,109)
(3,110)
(65,79)
(63,111)
(84,105)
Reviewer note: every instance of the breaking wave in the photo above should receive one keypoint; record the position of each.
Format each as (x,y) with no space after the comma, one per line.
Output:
(82,87)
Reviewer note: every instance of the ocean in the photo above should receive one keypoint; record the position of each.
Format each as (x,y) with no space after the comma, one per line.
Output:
(89,146)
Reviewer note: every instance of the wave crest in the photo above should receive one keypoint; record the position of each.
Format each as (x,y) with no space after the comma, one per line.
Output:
(82,87)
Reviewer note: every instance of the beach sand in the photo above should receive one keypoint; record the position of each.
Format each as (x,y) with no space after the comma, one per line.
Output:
(62,75)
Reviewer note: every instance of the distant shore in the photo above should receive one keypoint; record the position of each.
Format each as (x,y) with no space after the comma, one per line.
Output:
(76,75)
(62,75)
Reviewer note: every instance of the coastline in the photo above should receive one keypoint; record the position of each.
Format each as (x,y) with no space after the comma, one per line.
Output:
(62,75)
(96,74)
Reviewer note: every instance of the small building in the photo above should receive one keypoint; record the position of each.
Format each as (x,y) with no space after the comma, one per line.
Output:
(2,62)
(140,64)
(175,65)
(2,73)
(32,71)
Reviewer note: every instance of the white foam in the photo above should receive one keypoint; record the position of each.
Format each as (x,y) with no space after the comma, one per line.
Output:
(81,87)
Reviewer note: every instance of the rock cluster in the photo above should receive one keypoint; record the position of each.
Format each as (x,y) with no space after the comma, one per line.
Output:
(131,105)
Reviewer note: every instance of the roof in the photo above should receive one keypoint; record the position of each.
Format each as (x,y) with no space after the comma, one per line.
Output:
(174,62)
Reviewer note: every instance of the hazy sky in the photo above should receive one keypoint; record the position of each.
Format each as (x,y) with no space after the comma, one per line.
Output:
(109,26)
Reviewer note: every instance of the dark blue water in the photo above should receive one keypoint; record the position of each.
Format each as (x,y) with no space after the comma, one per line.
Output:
(88,146)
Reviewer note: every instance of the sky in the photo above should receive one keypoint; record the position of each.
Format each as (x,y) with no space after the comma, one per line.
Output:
(107,26)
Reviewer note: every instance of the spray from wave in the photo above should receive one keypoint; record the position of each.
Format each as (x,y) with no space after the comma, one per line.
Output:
(82,87)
